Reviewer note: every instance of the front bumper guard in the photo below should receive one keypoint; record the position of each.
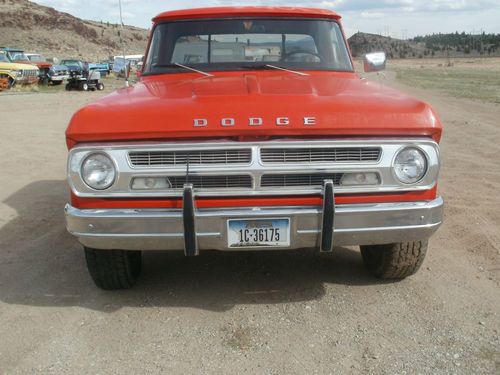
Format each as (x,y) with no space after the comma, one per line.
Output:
(194,229)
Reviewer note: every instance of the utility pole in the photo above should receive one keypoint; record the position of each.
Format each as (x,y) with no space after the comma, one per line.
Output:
(123,45)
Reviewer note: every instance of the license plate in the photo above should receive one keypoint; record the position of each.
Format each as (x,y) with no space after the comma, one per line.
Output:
(258,233)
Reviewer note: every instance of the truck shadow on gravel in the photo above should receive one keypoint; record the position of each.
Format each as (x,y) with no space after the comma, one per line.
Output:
(42,265)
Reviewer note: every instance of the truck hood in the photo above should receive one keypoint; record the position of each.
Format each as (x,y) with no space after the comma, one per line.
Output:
(38,64)
(16,66)
(277,104)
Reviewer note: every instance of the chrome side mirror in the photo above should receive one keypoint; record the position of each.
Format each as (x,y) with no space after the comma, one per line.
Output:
(374,62)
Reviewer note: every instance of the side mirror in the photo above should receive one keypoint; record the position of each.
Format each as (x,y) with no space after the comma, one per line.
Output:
(374,62)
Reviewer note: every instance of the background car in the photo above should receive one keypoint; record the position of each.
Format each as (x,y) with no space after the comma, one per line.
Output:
(18,56)
(58,74)
(17,73)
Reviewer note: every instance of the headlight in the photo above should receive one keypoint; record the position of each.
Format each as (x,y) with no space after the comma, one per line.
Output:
(410,165)
(98,171)
(18,73)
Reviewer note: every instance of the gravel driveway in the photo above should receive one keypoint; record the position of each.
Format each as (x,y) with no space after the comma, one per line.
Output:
(271,313)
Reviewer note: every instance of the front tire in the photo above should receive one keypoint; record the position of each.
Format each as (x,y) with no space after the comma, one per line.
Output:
(113,269)
(394,261)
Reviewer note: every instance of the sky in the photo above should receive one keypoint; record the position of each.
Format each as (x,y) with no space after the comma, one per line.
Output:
(397,18)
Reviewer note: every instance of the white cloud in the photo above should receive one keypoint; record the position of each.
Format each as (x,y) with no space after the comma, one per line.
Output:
(369,14)
(414,16)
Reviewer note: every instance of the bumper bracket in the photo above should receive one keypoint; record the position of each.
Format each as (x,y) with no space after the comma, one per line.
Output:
(328,217)
(188,220)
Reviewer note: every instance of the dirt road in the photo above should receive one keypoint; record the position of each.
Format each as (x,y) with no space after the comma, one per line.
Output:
(273,313)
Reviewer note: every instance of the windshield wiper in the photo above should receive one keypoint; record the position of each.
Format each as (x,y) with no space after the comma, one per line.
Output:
(269,66)
(184,67)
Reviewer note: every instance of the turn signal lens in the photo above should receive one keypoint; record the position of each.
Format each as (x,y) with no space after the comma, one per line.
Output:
(151,183)
(356,179)
(410,165)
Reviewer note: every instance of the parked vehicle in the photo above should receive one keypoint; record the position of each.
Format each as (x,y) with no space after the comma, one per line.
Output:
(251,130)
(101,68)
(84,80)
(15,73)
(58,74)
(18,56)
(75,65)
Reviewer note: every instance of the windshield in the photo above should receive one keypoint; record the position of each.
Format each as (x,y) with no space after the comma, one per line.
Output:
(71,62)
(36,58)
(3,57)
(210,45)
(18,56)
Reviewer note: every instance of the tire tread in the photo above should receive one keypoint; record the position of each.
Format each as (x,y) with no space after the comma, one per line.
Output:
(394,261)
(113,269)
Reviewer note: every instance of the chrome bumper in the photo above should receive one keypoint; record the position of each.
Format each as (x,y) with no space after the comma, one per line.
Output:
(59,78)
(163,229)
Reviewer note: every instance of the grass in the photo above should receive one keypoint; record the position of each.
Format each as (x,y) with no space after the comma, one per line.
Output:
(110,83)
(462,82)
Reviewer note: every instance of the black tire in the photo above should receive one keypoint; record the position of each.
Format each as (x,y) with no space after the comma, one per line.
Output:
(113,269)
(68,87)
(84,86)
(100,86)
(394,261)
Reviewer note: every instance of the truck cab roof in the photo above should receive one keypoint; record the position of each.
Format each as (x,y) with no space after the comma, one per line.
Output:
(246,11)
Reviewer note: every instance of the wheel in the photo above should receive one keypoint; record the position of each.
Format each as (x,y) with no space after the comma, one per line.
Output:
(100,86)
(68,87)
(394,261)
(84,86)
(113,269)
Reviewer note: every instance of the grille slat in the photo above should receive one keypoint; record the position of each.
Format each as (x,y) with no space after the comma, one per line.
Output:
(320,155)
(294,180)
(212,182)
(203,157)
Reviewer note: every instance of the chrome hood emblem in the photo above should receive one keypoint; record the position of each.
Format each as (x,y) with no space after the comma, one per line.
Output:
(254,121)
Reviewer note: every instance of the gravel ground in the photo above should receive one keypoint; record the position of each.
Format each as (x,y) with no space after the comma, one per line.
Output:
(272,313)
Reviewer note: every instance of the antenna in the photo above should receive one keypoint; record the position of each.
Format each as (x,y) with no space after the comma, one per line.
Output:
(123,45)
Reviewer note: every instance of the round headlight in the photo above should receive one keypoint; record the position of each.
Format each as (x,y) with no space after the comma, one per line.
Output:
(98,171)
(410,165)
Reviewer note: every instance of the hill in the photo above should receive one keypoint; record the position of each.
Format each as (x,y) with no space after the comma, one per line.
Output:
(435,45)
(362,43)
(37,28)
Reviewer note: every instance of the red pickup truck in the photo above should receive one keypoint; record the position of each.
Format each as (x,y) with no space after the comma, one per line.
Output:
(250,130)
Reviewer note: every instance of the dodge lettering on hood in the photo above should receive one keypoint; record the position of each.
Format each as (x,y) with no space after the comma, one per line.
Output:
(250,130)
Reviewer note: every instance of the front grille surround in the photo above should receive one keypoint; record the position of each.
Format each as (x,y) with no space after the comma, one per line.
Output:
(158,159)
(303,180)
(313,155)
(224,180)
(212,182)
(30,73)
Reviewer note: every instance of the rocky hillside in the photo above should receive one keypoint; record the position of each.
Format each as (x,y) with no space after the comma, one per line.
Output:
(37,28)
(436,45)
(362,43)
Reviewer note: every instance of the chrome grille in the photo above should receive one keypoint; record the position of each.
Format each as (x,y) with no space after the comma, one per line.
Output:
(294,180)
(320,155)
(30,73)
(212,182)
(168,158)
